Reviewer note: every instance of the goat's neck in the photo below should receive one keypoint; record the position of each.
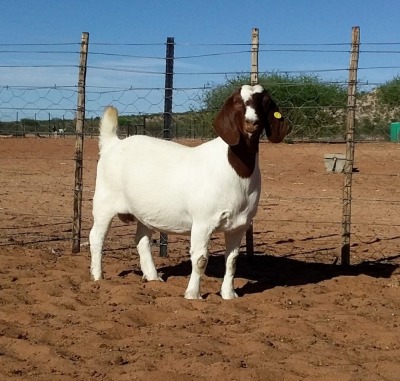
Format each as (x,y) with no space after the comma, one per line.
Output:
(242,157)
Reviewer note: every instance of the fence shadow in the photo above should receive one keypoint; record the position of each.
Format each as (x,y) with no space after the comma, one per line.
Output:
(264,272)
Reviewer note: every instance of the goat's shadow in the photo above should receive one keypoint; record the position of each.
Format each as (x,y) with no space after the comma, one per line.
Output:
(264,271)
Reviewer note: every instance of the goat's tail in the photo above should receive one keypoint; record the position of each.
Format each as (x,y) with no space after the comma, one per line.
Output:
(108,126)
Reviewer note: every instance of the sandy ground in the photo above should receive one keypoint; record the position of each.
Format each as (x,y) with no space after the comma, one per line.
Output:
(300,316)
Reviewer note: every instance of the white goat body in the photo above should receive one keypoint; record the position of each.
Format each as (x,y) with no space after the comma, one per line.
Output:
(177,189)
(168,186)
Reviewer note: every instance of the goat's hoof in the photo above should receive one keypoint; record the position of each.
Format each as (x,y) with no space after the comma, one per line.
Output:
(193,295)
(229,295)
(146,278)
(96,277)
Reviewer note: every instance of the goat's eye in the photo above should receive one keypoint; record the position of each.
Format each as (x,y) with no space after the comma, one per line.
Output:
(277,115)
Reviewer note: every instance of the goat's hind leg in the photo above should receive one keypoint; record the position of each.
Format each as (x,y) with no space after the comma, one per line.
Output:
(97,236)
(143,237)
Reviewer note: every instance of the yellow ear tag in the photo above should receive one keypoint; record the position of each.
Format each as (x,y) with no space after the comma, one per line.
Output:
(277,115)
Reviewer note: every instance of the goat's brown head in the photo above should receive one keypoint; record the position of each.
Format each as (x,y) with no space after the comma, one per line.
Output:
(246,113)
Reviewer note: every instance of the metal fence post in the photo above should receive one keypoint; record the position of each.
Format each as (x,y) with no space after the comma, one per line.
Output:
(169,84)
(80,120)
(348,166)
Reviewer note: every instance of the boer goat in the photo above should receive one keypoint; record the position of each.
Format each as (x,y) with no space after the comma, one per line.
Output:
(171,188)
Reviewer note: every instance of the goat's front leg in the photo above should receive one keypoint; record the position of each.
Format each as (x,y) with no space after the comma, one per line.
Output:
(199,238)
(142,238)
(232,242)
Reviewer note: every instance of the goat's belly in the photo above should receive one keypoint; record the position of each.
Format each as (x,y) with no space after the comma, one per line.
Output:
(167,226)
(162,219)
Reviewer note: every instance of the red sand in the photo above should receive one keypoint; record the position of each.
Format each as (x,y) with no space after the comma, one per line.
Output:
(295,320)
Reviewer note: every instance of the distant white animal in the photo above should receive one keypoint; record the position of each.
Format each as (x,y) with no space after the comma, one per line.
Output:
(58,132)
(172,188)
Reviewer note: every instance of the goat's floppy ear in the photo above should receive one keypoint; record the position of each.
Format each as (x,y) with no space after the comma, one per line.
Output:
(277,127)
(230,119)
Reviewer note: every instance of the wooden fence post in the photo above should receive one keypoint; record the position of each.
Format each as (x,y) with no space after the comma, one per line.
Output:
(254,80)
(80,120)
(348,166)
(254,55)
(169,84)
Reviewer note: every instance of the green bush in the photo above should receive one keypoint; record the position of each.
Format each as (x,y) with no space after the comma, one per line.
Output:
(389,92)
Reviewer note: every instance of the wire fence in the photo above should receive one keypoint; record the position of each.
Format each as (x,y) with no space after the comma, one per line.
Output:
(301,205)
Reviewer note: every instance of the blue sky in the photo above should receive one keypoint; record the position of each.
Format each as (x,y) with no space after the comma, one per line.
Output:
(126,21)
(197,26)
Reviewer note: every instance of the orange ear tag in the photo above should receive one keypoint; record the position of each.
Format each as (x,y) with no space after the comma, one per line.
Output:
(277,115)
